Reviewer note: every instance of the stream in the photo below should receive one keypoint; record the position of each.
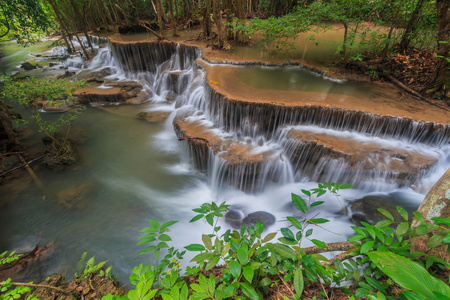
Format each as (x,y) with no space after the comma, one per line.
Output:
(132,170)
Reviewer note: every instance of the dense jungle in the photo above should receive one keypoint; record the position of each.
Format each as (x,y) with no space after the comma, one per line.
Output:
(234,149)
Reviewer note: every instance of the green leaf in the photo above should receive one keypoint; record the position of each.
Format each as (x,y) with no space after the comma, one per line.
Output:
(168,224)
(319,221)
(376,284)
(317,203)
(298,282)
(441,221)
(207,241)
(269,237)
(295,223)
(287,241)
(319,243)
(383,223)
(419,216)
(196,218)
(195,247)
(164,238)
(345,186)
(147,250)
(249,291)
(248,273)
(284,251)
(436,239)
(299,203)
(356,238)
(242,256)
(402,228)
(367,247)
(154,223)
(235,269)
(308,232)
(212,263)
(210,219)
(266,281)
(408,274)
(386,214)
(287,233)
(362,292)
(412,296)
(306,192)
(402,212)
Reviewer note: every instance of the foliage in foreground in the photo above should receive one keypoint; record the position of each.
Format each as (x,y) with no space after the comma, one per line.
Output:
(376,258)
(245,264)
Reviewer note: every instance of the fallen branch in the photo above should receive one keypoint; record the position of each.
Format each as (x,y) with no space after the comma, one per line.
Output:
(24,255)
(21,166)
(409,90)
(160,37)
(42,286)
(338,246)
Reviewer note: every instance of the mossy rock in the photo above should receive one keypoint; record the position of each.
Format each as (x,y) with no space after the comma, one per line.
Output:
(55,157)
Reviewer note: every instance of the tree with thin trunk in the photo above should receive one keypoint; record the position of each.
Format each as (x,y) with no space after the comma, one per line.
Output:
(440,83)
(207,18)
(217,15)
(411,27)
(240,14)
(172,18)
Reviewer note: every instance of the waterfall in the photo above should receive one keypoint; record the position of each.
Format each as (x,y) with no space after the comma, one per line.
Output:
(251,145)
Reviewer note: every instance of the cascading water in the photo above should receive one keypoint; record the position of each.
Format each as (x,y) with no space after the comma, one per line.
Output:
(251,155)
(170,73)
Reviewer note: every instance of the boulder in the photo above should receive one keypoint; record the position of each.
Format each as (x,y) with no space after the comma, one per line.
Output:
(28,66)
(435,205)
(259,216)
(234,218)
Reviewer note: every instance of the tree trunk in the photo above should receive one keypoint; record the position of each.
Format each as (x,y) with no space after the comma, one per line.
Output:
(82,24)
(229,27)
(435,205)
(172,18)
(160,7)
(411,27)
(240,14)
(159,16)
(217,15)
(440,83)
(207,19)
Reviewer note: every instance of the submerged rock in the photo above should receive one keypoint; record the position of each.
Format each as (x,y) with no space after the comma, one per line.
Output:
(234,218)
(153,117)
(77,196)
(259,216)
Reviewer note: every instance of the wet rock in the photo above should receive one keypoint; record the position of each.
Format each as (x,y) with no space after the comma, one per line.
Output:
(259,216)
(153,117)
(170,96)
(55,157)
(129,84)
(140,98)
(366,208)
(358,161)
(76,197)
(28,66)
(55,106)
(435,205)
(234,218)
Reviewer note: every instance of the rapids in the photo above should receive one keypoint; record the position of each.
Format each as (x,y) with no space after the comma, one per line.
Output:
(133,170)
